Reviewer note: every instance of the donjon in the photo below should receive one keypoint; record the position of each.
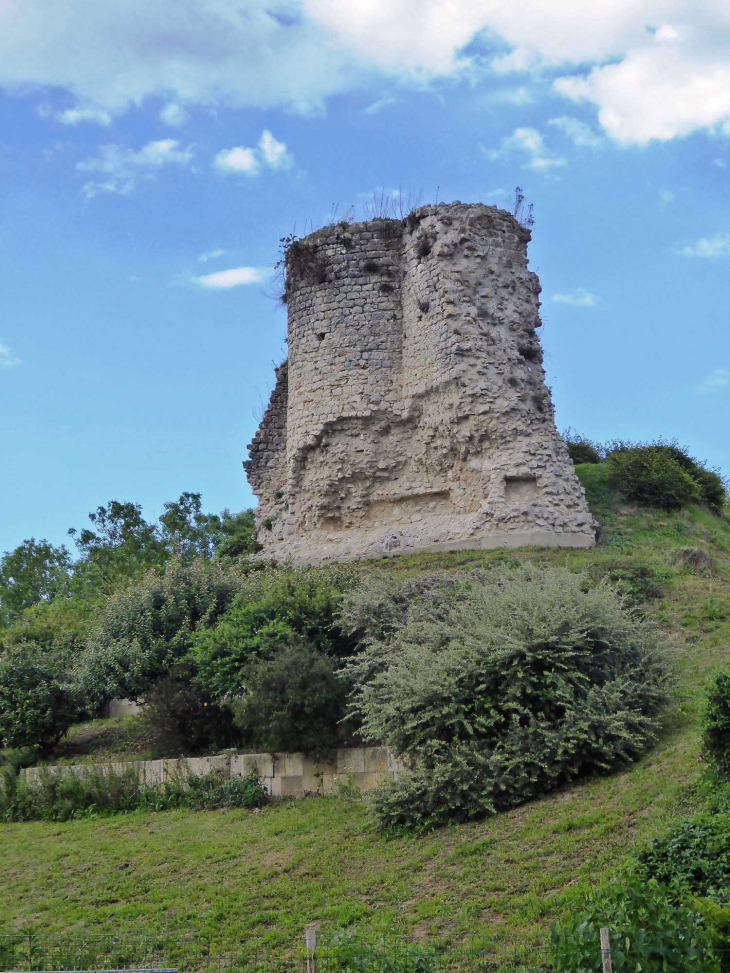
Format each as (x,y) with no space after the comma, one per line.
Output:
(412,413)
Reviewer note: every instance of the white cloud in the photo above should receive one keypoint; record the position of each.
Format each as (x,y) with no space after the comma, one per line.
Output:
(708,247)
(7,359)
(269,152)
(580,297)
(377,106)
(119,168)
(577,131)
(666,197)
(234,277)
(174,115)
(653,69)
(238,159)
(720,163)
(211,255)
(531,143)
(75,116)
(274,153)
(716,380)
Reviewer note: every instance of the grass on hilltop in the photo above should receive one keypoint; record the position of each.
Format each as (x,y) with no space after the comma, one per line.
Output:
(259,878)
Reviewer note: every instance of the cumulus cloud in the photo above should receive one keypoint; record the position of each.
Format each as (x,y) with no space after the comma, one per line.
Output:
(580,297)
(117,169)
(7,358)
(238,159)
(233,277)
(653,69)
(530,143)
(75,116)
(708,247)
(174,115)
(715,381)
(666,197)
(269,153)
(577,131)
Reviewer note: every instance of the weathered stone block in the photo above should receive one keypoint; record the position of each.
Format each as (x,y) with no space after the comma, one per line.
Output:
(351,761)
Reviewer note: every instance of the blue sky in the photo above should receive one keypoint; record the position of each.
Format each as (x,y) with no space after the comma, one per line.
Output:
(152,155)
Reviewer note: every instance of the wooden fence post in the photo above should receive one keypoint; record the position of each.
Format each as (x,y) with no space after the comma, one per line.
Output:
(310,941)
(606,951)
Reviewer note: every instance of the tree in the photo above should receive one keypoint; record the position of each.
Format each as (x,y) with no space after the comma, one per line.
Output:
(33,573)
(122,545)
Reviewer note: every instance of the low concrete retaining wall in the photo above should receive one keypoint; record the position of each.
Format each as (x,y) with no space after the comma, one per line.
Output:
(283,774)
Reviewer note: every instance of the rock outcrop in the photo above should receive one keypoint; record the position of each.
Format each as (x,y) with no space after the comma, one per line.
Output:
(412,413)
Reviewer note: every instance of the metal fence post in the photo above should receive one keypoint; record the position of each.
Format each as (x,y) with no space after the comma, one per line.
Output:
(606,951)
(310,941)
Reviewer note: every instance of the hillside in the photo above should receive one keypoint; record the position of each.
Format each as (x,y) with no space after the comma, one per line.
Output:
(261,877)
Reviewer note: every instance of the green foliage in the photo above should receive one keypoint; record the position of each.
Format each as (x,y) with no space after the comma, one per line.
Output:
(504,686)
(37,705)
(716,728)
(580,448)
(662,474)
(181,718)
(351,951)
(637,580)
(34,573)
(122,545)
(649,931)
(145,628)
(293,699)
(190,533)
(272,605)
(65,795)
(693,858)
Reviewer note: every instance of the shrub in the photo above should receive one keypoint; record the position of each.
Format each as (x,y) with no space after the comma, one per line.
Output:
(636,580)
(293,700)
(507,685)
(180,717)
(581,449)
(693,858)
(65,795)
(349,951)
(146,628)
(649,931)
(693,558)
(662,474)
(716,728)
(272,605)
(37,703)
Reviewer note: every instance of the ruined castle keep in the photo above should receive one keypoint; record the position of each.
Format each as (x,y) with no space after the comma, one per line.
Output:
(412,413)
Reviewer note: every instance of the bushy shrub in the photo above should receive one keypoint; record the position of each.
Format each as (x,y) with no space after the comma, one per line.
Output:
(37,702)
(580,448)
(649,931)
(638,581)
(507,685)
(716,728)
(292,700)
(272,605)
(65,795)
(179,717)
(693,858)
(146,628)
(693,558)
(662,474)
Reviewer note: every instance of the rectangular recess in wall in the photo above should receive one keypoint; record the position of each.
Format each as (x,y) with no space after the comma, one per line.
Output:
(520,489)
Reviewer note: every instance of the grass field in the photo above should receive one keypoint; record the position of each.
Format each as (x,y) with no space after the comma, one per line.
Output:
(260,877)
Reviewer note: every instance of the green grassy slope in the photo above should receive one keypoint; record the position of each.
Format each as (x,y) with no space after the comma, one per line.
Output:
(261,877)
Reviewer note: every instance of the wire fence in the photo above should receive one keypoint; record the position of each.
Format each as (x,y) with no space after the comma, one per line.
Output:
(335,952)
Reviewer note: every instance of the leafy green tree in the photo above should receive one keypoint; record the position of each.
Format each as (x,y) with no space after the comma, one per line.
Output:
(35,572)
(187,531)
(37,701)
(121,545)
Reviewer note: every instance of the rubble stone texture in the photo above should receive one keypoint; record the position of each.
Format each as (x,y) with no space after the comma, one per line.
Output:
(412,413)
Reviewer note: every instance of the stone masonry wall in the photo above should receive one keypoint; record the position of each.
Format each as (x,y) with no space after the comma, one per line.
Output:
(413,412)
(282,774)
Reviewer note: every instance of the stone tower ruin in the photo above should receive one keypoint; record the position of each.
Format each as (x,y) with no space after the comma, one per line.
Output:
(412,413)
